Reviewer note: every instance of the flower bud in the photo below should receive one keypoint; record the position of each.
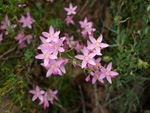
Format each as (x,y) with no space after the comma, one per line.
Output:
(87,79)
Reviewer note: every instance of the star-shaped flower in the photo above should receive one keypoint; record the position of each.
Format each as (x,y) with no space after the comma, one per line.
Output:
(87,58)
(71,9)
(37,93)
(108,73)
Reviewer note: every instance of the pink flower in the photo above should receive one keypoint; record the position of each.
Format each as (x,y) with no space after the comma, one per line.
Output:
(92,50)
(37,93)
(17,52)
(77,46)
(96,76)
(29,16)
(97,44)
(64,61)
(19,5)
(45,100)
(26,21)
(84,34)
(71,9)
(38,3)
(45,44)
(53,67)
(46,56)
(51,36)
(78,31)
(22,45)
(108,73)
(87,58)
(50,1)
(74,63)
(84,23)
(89,29)
(66,45)
(21,19)
(20,37)
(70,41)
(28,37)
(53,94)
(98,64)
(1,37)
(5,23)
(56,46)
(69,20)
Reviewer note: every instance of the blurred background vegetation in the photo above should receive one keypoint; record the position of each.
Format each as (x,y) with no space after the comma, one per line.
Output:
(125,25)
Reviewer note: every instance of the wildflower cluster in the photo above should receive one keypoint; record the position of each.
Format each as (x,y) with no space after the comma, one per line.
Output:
(52,44)
(6,25)
(70,10)
(50,48)
(93,65)
(44,96)
(21,37)
(87,27)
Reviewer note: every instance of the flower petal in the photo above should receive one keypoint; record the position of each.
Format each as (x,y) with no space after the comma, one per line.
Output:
(94,80)
(91,62)
(85,51)
(49,72)
(37,88)
(92,39)
(100,38)
(84,62)
(80,57)
(32,92)
(45,34)
(102,76)
(103,45)
(113,73)
(46,61)
(109,79)
(40,56)
(34,98)
(109,66)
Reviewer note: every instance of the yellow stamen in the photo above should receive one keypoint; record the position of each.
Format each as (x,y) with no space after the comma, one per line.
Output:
(37,93)
(107,72)
(56,47)
(46,54)
(96,64)
(51,35)
(97,76)
(52,66)
(27,22)
(97,43)
(46,43)
(86,57)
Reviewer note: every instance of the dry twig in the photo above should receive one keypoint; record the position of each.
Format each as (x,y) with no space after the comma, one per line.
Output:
(60,106)
(82,99)
(96,99)
(7,52)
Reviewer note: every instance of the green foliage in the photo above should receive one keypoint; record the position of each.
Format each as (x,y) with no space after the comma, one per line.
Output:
(57,23)
(131,54)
